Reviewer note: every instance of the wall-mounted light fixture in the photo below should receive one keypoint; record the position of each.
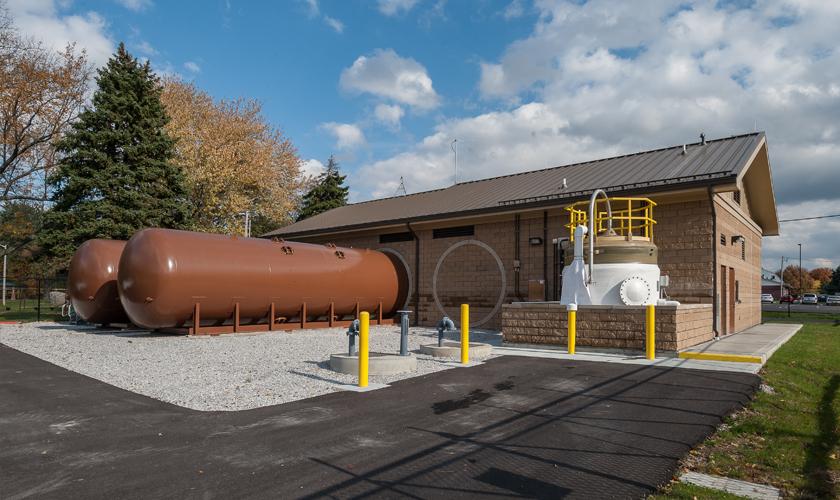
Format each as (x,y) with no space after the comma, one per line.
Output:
(535,240)
(737,238)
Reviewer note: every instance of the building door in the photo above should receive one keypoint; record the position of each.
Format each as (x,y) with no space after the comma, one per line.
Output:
(732,291)
(724,302)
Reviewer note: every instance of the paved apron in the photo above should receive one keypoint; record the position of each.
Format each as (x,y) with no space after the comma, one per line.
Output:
(513,426)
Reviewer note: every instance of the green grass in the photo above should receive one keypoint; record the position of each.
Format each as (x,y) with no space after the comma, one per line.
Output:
(25,310)
(683,491)
(790,437)
(802,317)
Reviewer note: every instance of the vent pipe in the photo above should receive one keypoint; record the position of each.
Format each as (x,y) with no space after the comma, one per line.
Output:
(702,138)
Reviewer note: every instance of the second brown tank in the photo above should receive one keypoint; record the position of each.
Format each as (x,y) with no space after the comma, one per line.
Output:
(92,282)
(163,273)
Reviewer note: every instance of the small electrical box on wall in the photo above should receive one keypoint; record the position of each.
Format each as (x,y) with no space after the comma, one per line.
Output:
(536,290)
(535,241)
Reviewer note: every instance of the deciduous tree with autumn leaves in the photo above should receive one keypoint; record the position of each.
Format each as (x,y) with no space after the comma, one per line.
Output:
(232,160)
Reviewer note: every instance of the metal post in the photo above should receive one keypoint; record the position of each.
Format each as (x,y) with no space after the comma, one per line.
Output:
(38,308)
(650,341)
(352,331)
(364,333)
(4,275)
(403,332)
(800,272)
(465,334)
(572,308)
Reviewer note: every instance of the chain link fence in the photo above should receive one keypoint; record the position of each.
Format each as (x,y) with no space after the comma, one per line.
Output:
(35,298)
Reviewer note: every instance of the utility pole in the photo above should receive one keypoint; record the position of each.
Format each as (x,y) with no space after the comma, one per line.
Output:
(800,271)
(454,147)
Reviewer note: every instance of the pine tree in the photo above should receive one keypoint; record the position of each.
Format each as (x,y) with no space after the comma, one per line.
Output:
(329,192)
(116,175)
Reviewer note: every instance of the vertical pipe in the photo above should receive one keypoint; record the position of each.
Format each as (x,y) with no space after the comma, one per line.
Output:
(572,308)
(650,337)
(545,255)
(364,332)
(403,333)
(517,263)
(465,334)
(416,273)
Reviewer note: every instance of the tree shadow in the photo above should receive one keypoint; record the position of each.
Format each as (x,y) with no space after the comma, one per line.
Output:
(817,468)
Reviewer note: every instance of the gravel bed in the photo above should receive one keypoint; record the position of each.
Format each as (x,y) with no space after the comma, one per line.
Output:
(227,372)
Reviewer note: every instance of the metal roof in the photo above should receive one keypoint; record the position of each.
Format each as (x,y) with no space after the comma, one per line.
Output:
(717,161)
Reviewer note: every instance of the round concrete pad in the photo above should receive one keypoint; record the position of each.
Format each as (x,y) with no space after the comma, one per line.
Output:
(453,350)
(379,363)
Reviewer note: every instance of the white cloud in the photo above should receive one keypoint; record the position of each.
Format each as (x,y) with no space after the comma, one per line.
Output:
(385,74)
(43,21)
(600,78)
(192,67)
(312,168)
(146,49)
(313,8)
(135,5)
(514,9)
(335,24)
(395,7)
(389,114)
(347,135)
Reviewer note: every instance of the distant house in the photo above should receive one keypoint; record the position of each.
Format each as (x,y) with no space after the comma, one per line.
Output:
(772,284)
(487,241)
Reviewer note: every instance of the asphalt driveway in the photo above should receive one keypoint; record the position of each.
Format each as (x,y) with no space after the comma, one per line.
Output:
(513,427)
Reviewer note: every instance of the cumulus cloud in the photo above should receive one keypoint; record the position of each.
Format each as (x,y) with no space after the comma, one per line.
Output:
(395,7)
(43,21)
(347,135)
(389,114)
(598,78)
(513,10)
(387,75)
(312,168)
(135,5)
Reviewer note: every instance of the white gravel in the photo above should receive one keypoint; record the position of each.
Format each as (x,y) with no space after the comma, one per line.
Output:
(227,372)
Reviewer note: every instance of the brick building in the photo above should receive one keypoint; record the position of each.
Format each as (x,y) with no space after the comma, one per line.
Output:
(489,242)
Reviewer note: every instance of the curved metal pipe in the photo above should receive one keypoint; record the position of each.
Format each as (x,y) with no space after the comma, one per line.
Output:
(592,226)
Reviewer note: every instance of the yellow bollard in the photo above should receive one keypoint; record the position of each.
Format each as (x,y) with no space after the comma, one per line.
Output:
(465,334)
(364,334)
(650,337)
(572,308)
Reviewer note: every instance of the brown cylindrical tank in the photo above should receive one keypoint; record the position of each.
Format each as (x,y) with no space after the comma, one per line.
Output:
(92,282)
(163,273)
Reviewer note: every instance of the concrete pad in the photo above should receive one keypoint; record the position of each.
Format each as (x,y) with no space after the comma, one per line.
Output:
(458,364)
(356,388)
(453,350)
(754,345)
(667,360)
(379,363)
(734,486)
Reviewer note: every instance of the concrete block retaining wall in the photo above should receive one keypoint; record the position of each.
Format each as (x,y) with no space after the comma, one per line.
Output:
(677,327)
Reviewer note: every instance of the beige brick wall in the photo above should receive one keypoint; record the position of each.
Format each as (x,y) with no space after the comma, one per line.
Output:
(732,221)
(471,274)
(623,327)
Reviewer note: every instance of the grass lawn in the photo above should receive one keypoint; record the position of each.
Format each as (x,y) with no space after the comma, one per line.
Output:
(789,435)
(801,317)
(25,310)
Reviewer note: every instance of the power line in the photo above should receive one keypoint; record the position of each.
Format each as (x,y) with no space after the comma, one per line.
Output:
(811,218)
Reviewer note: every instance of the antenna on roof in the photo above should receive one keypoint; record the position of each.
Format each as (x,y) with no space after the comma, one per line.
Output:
(702,138)
(401,188)
(454,147)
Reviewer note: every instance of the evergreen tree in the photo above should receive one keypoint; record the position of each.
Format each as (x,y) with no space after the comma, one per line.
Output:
(116,175)
(328,192)
(833,286)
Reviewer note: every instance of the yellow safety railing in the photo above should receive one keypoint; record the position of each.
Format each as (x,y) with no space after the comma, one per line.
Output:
(631,217)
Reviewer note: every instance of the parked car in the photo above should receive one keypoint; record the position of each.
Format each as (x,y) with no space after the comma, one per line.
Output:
(766,298)
(787,298)
(832,300)
(822,298)
(809,298)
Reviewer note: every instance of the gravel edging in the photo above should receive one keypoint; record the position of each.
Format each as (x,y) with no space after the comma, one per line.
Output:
(227,372)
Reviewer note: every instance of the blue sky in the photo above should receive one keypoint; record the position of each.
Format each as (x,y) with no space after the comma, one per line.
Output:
(386,85)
